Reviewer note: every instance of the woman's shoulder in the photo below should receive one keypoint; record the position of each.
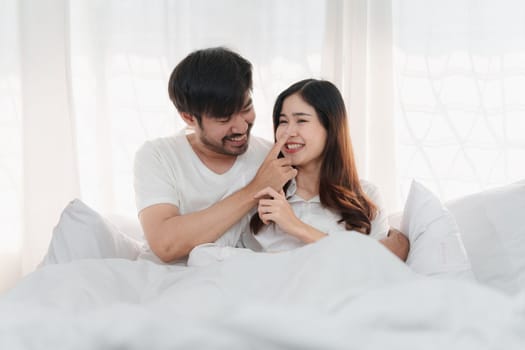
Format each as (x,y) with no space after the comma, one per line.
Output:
(373,192)
(369,188)
(380,224)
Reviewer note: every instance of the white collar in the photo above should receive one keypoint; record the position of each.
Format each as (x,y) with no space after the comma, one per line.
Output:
(293,198)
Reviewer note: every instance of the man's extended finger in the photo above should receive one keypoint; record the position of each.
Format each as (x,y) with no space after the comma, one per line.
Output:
(283,161)
(291,173)
(274,152)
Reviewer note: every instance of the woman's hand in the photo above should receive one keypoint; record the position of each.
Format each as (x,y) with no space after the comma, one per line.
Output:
(397,243)
(273,207)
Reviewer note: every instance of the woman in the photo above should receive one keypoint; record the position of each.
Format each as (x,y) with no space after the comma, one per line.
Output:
(326,197)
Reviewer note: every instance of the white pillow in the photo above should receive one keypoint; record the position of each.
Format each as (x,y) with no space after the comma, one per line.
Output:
(493,230)
(128,225)
(436,248)
(82,233)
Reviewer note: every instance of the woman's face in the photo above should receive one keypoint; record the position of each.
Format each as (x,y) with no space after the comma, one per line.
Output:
(306,135)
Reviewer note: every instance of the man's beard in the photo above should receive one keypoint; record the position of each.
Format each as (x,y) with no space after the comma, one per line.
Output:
(222,148)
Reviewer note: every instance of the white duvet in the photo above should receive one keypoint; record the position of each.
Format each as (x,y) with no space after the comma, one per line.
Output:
(344,292)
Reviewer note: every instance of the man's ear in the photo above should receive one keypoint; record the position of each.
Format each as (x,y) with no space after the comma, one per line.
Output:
(189,119)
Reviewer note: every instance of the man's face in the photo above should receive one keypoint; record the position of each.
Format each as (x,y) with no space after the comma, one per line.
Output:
(228,136)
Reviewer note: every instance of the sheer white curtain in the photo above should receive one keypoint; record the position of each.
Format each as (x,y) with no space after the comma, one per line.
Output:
(10,145)
(38,164)
(122,54)
(460,82)
(358,58)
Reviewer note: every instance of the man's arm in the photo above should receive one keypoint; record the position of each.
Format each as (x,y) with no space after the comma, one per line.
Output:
(397,243)
(172,236)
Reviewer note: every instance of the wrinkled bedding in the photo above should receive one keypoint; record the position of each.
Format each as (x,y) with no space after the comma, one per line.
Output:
(344,292)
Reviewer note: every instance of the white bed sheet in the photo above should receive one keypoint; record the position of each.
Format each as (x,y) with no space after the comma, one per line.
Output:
(340,293)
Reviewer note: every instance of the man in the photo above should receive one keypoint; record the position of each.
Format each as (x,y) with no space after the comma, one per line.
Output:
(199,187)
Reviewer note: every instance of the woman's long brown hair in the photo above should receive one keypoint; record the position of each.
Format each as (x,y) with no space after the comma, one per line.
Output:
(339,185)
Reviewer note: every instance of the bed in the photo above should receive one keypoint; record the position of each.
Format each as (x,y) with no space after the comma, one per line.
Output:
(467,291)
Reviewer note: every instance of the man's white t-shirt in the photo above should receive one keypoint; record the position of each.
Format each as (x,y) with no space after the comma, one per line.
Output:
(272,239)
(167,171)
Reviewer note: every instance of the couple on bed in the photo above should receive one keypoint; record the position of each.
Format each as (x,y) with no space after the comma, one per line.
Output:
(217,184)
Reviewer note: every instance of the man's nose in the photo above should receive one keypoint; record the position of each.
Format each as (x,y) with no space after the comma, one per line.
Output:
(240,124)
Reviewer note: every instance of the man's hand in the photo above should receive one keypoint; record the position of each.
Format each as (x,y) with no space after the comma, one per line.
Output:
(274,172)
(397,243)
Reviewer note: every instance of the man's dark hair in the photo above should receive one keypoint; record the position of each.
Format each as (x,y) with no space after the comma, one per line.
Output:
(212,82)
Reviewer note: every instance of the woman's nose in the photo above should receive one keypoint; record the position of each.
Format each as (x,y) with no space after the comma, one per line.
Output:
(291,129)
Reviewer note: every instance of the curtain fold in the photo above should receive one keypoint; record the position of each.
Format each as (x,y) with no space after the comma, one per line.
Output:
(357,57)
(10,146)
(50,177)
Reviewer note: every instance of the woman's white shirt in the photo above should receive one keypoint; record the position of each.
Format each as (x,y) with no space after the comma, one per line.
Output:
(272,239)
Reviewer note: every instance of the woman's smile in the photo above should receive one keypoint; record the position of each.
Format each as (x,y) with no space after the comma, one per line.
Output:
(293,147)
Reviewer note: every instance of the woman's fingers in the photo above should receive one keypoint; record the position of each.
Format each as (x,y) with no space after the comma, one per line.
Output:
(266,210)
(264,219)
(265,216)
(269,203)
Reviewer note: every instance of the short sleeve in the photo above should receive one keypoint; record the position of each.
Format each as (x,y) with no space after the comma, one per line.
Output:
(154,181)
(380,224)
